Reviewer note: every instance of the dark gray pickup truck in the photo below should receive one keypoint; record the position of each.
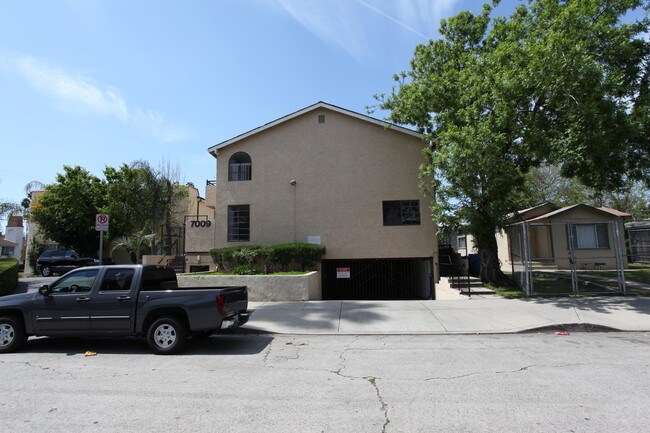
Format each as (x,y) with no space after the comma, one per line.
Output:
(122,300)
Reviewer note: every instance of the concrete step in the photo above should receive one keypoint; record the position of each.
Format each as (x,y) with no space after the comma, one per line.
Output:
(543,266)
(475,286)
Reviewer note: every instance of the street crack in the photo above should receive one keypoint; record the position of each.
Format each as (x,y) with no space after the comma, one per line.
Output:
(384,407)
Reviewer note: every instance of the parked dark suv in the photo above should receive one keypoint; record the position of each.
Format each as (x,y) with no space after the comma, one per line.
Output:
(61,261)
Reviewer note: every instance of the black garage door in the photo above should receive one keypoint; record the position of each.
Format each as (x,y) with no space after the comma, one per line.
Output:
(377,279)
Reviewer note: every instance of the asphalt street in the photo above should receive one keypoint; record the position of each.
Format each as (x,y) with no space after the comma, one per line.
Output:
(584,382)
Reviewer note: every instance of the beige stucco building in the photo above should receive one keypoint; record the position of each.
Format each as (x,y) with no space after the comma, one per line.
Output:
(338,178)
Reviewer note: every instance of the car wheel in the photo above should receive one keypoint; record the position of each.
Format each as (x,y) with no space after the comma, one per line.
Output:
(166,335)
(46,271)
(12,334)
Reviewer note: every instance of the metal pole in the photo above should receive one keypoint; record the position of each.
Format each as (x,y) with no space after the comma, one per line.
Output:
(572,260)
(527,272)
(101,247)
(619,260)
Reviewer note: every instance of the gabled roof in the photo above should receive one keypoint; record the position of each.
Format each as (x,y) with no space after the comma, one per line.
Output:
(524,214)
(615,212)
(315,106)
(608,211)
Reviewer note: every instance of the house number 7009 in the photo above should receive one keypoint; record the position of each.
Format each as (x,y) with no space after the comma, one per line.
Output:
(201,224)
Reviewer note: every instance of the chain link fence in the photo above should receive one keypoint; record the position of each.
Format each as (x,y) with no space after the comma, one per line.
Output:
(571,258)
(639,242)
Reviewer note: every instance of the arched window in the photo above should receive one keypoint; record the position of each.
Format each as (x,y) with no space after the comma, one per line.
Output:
(239,167)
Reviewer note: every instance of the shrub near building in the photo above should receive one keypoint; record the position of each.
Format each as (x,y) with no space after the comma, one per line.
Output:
(8,275)
(255,259)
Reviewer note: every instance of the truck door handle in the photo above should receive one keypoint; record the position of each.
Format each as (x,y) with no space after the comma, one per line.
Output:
(83,299)
(123,298)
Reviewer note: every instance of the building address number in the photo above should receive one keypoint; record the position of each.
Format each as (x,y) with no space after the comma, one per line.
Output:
(203,223)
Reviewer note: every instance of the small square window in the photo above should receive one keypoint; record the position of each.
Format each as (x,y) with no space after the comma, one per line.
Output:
(321,118)
(401,212)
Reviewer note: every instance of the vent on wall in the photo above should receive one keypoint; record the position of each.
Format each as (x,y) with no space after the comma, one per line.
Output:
(321,118)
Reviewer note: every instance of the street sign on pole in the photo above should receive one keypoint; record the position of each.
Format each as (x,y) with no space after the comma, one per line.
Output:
(101,222)
(101,225)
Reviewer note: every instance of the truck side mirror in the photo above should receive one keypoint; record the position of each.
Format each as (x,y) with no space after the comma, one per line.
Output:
(44,290)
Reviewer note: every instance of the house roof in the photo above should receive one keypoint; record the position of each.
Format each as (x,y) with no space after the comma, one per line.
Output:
(15,221)
(315,106)
(615,212)
(612,212)
(522,214)
(6,243)
(641,225)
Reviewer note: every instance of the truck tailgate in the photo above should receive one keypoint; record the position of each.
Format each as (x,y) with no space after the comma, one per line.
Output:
(235,300)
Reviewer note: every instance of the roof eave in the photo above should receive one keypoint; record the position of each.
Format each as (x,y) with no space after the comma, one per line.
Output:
(312,107)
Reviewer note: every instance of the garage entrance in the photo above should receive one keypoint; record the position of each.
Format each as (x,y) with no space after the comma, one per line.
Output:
(377,279)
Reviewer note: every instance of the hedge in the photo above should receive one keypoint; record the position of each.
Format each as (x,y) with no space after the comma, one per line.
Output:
(305,255)
(252,259)
(229,258)
(8,275)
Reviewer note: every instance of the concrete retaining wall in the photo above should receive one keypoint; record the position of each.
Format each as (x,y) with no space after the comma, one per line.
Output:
(264,287)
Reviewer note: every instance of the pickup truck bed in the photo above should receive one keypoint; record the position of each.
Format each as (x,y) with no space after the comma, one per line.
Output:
(122,300)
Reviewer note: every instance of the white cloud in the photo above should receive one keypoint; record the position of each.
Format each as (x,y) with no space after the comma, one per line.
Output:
(80,92)
(346,23)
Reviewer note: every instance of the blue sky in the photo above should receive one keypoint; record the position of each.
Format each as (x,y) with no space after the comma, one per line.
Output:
(96,83)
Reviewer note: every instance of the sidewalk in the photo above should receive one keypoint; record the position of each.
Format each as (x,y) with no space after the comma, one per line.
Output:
(451,313)
(478,315)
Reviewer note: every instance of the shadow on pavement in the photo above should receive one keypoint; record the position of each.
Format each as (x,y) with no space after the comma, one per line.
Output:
(599,304)
(214,345)
(313,315)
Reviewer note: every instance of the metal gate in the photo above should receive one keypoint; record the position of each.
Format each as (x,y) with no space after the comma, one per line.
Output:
(377,279)
(568,258)
(172,242)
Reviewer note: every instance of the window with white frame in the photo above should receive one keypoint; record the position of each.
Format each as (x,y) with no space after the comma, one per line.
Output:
(589,236)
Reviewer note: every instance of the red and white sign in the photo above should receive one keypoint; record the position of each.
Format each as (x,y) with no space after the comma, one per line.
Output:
(342,272)
(101,222)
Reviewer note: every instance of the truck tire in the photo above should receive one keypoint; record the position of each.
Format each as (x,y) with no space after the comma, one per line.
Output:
(167,335)
(12,334)
(46,271)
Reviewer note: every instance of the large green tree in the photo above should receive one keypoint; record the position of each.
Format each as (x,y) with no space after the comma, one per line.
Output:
(143,203)
(66,212)
(558,82)
(546,184)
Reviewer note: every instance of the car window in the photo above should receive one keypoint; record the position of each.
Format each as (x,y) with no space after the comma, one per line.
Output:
(59,253)
(158,278)
(77,282)
(119,279)
(70,254)
(46,254)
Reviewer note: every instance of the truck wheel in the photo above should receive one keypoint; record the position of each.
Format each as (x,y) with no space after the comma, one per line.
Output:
(12,334)
(46,271)
(166,335)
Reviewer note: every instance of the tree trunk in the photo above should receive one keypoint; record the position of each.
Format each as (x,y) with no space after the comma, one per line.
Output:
(490,267)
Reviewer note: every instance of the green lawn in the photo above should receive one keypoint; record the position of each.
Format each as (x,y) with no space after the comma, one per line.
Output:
(635,273)
(557,284)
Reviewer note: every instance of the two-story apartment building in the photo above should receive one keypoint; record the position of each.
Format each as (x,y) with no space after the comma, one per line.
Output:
(338,178)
